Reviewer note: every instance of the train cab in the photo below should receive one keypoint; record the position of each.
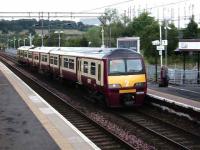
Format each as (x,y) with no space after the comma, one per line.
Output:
(22,54)
(44,58)
(126,78)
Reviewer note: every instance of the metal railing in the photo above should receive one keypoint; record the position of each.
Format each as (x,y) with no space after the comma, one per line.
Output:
(176,76)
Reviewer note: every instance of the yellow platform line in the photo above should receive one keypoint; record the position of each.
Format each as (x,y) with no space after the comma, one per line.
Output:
(50,128)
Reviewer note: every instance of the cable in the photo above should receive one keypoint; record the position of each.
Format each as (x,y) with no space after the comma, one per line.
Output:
(163,5)
(114,4)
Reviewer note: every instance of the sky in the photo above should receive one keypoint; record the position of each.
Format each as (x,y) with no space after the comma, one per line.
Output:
(158,8)
(53,5)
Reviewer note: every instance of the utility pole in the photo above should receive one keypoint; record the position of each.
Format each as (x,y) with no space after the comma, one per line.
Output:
(30,39)
(42,32)
(166,26)
(160,52)
(14,42)
(102,34)
(103,22)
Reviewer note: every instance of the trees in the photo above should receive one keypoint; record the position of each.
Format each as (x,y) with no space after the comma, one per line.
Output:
(191,32)
(93,35)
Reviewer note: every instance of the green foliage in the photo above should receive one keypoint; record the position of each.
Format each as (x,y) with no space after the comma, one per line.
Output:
(149,34)
(93,35)
(32,24)
(137,26)
(172,39)
(110,16)
(191,32)
(77,42)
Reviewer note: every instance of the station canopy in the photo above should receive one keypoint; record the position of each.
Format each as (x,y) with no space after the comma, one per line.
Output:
(188,45)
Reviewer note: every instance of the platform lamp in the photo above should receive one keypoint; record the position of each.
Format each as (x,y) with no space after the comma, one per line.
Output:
(25,41)
(19,42)
(14,41)
(11,43)
(58,32)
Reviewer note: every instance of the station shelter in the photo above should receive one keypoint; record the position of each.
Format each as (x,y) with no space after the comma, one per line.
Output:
(187,46)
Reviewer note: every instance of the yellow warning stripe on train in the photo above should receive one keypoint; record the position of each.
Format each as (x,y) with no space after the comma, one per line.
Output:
(126,80)
(127,91)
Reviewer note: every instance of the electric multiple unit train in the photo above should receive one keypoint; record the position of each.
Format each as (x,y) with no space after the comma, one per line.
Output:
(116,76)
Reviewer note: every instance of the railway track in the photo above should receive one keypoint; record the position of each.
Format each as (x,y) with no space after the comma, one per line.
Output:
(161,134)
(103,138)
(168,133)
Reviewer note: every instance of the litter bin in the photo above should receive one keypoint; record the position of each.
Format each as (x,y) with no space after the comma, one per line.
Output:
(164,79)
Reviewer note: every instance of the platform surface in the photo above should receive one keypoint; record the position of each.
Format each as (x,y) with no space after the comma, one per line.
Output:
(27,122)
(187,96)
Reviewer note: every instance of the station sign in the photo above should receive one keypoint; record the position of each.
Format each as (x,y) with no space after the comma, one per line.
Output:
(165,42)
(160,47)
(156,42)
(160,53)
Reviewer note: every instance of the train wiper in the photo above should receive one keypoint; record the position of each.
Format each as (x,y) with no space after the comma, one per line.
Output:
(116,72)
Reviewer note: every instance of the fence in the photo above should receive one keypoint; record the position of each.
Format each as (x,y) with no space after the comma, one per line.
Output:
(176,76)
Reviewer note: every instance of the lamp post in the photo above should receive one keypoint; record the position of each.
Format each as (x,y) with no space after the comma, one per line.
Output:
(19,42)
(102,34)
(11,43)
(25,41)
(14,42)
(30,39)
(59,38)
(8,43)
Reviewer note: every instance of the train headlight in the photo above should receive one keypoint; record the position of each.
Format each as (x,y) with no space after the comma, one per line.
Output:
(114,86)
(139,85)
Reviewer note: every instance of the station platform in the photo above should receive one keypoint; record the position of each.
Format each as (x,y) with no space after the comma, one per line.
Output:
(28,122)
(186,96)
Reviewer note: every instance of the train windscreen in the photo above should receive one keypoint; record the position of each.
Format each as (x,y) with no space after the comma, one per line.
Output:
(125,66)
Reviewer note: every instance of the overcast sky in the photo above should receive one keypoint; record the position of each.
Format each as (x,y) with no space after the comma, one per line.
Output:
(74,5)
(186,6)
(53,5)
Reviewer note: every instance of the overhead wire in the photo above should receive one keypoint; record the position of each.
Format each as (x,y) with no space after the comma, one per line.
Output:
(110,5)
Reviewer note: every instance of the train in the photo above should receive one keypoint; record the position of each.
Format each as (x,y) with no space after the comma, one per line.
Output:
(115,77)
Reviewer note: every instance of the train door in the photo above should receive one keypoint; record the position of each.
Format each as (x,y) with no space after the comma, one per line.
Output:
(79,62)
(99,78)
(98,74)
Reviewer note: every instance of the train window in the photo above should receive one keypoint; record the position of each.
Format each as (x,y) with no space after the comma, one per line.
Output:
(117,66)
(93,68)
(25,53)
(44,58)
(71,64)
(80,66)
(30,55)
(55,60)
(66,63)
(36,57)
(99,72)
(85,67)
(21,53)
(134,65)
(51,59)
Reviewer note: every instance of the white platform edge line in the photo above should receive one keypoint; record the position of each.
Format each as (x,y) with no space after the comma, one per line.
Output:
(57,113)
(183,89)
(172,101)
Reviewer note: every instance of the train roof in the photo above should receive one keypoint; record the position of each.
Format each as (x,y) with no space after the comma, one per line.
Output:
(43,49)
(25,48)
(98,53)
(87,52)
